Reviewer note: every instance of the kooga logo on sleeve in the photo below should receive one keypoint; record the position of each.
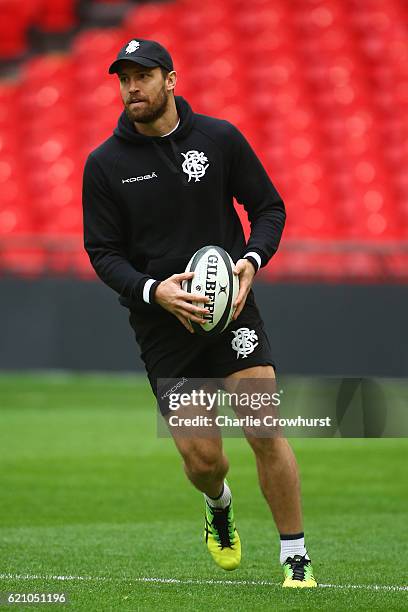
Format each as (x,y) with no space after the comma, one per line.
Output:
(133,179)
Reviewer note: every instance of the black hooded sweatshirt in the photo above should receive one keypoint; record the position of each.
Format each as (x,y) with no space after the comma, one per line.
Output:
(150,202)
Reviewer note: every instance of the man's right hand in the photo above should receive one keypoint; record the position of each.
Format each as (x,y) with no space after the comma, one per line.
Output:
(171,297)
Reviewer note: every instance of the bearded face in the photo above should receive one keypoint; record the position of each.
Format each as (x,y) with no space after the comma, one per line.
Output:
(144,92)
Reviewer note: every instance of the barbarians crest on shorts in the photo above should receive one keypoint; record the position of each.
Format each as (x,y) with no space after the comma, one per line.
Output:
(244,341)
(194,164)
(132,46)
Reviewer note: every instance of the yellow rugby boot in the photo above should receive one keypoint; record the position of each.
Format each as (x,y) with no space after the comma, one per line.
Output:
(298,573)
(221,536)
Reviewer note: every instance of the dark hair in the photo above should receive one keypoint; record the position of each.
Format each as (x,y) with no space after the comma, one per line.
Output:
(164,72)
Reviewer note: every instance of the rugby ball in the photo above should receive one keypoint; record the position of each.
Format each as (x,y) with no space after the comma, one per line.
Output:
(213,277)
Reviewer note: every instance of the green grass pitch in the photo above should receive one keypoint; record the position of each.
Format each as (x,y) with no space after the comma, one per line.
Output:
(89,491)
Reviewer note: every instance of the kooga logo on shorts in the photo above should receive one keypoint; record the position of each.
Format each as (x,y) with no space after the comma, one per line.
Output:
(133,179)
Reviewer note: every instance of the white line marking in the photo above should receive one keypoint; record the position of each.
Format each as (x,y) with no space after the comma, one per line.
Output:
(373,587)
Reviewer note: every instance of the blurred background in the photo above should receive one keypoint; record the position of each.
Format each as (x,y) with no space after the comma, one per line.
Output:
(319,88)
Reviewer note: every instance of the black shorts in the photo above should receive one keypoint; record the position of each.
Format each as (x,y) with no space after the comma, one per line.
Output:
(169,351)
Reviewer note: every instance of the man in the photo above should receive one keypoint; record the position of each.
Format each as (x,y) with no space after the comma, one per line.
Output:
(156,191)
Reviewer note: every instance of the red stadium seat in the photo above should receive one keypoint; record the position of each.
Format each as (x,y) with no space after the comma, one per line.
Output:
(16,16)
(26,261)
(16,219)
(90,45)
(57,15)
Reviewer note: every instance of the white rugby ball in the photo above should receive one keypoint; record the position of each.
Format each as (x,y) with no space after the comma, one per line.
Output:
(213,277)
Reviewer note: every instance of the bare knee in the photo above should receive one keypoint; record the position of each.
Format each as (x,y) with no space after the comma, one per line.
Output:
(269,448)
(205,464)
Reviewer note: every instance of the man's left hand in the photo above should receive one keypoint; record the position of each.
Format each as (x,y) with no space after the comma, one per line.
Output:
(246,272)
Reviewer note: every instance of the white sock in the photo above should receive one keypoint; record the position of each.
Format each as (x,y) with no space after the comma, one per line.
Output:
(223,500)
(292,545)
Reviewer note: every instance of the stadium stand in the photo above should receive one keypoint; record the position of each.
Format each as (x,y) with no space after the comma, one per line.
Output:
(319,87)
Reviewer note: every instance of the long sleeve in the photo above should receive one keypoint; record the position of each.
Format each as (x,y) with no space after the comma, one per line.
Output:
(252,187)
(104,238)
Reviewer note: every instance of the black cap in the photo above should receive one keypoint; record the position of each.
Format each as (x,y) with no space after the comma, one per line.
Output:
(148,53)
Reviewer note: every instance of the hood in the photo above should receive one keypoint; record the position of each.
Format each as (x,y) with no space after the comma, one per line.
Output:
(126,130)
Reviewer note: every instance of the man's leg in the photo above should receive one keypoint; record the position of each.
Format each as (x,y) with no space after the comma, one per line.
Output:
(206,467)
(278,477)
(277,467)
(205,464)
